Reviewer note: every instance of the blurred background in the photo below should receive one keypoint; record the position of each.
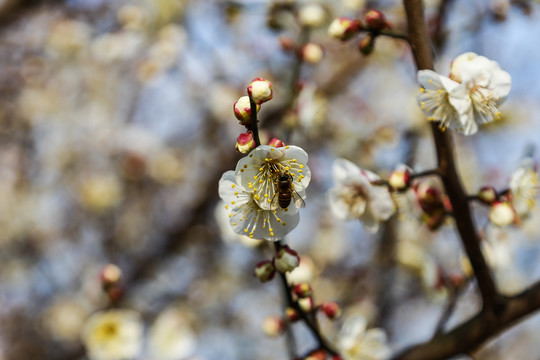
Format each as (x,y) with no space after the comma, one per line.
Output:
(116,124)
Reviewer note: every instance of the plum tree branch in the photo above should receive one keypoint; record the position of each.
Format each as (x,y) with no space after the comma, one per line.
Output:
(422,53)
(498,313)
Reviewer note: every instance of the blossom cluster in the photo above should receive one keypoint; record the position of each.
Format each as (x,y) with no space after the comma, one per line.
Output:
(469,97)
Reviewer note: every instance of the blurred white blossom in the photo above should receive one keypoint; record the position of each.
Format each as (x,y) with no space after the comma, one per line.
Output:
(113,335)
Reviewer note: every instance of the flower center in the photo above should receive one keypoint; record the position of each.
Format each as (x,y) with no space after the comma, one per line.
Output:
(484,102)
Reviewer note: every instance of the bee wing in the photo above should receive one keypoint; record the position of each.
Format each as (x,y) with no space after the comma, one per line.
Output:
(274,204)
(298,201)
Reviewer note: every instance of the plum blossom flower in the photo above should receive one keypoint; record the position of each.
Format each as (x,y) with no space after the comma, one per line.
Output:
(171,337)
(355,342)
(257,173)
(469,97)
(113,335)
(248,218)
(524,187)
(354,196)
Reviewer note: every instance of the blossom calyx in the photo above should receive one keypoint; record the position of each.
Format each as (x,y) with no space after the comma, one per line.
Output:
(331,309)
(487,194)
(317,355)
(274,326)
(343,28)
(275,142)
(367,45)
(400,178)
(292,314)
(260,90)
(245,143)
(286,259)
(502,213)
(375,20)
(242,110)
(265,271)
(302,290)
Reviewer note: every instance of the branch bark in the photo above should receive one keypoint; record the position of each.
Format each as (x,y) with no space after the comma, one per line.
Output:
(419,41)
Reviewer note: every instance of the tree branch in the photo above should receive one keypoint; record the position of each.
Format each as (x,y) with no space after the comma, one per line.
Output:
(474,332)
(422,53)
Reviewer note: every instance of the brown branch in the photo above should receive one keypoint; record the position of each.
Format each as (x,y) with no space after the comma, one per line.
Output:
(308,318)
(476,331)
(443,142)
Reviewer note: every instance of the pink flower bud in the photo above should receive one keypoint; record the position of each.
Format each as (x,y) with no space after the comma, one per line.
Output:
(110,275)
(260,90)
(306,304)
(502,213)
(331,309)
(317,355)
(375,20)
(286,259)
(343,28)
(273,326)
(265,270)
(292,314)
(245,142)
(400,178)
(366,45)
(487,195)
(275,142)
(242,110)
(312,53)
(302,290)
(287,43)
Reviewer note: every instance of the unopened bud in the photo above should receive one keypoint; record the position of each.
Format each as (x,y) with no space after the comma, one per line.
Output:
(367,44)
(292,314)
(273,326)
(306,304)
(245,142)
(311,15)
(260,90)
(302,290)
(317,355)
(375,20)
(487,195)
(343,28)
(331,309)
(265,270)
(286,259)
(502,213)
(435,218)
(312,53)
(400,178)
(110,275)
(242,110)
(275,142)
(287,43)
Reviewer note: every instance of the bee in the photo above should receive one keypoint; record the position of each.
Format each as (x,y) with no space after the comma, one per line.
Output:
(285,193)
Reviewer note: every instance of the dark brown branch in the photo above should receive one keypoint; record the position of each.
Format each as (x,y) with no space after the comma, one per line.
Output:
(419,42)
(476,331)
(309,321)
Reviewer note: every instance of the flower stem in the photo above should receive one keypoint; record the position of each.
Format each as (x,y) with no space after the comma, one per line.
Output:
(254,122)
(426,173)
(309,319)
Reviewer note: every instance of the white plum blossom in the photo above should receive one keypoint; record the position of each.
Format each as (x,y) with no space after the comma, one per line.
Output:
(354,196)
(257,173)
(248,218)
(113,335)
(469,97)
(524,188)
(356,342)
(171,337)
